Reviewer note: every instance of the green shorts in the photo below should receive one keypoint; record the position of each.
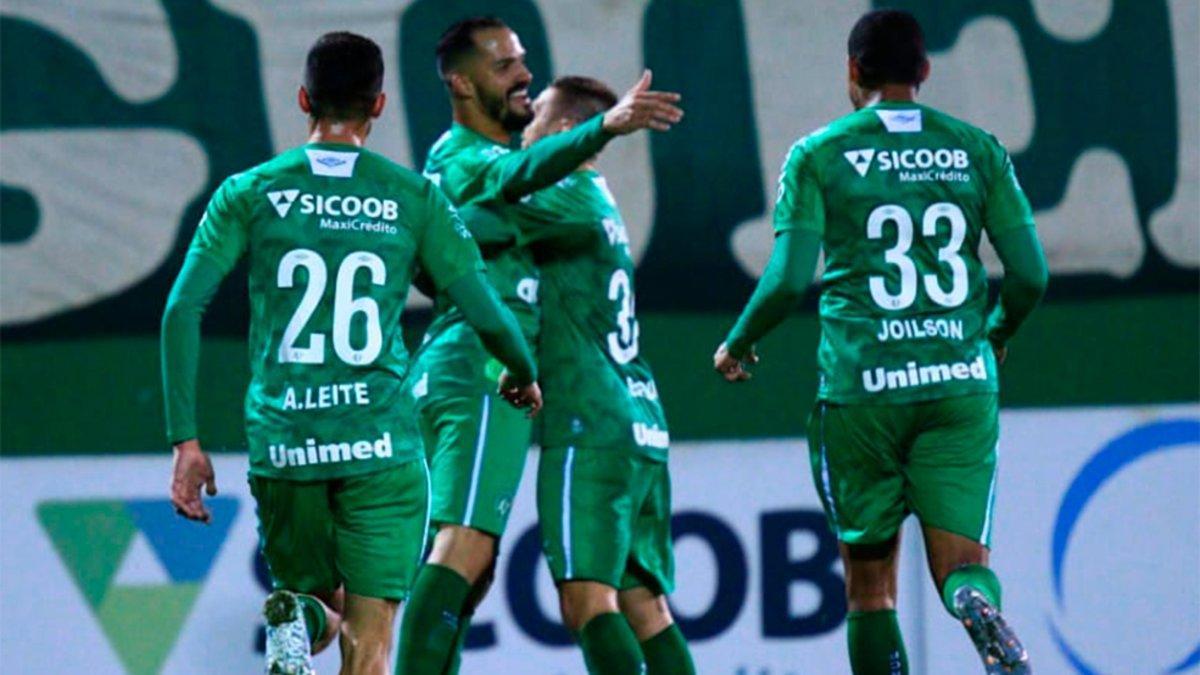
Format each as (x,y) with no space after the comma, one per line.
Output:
(476,449)
(874,464)
(366,533)
(605,515)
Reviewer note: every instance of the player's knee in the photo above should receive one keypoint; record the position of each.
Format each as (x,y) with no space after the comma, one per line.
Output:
(465,550)
(648,614)
(582,601)
(871,588)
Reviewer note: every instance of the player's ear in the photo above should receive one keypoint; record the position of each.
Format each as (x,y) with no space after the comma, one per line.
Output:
(460,85)
(303,101)
(377,106)
(853,71)
(924,72)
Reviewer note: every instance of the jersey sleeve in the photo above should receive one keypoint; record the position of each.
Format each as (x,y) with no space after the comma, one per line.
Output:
(799,203)
(1005,205)
(546,217)
(447,251)
(499,174)
(223,232)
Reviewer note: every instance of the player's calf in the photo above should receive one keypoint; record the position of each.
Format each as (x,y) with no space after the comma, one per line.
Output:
(591,612)
(366,635)
(663,644)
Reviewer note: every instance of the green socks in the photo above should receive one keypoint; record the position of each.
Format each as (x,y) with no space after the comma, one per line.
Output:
(876,646)
(460,642)
(978,577)
(610,647)
(430,627)
(314,617)
(667,653)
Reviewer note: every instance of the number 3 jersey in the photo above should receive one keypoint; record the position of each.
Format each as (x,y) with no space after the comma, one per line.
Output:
(599,391)
(901,195)
(333,235)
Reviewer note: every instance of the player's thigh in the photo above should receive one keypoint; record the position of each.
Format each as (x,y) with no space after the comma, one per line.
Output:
(651,561)
(381,521)
(855,453)
(951,466)
(476,455)
(585,513)
(296,534)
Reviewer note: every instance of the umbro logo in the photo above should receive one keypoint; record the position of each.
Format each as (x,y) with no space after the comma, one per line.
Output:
(330,161)
(860,160)
(282,200)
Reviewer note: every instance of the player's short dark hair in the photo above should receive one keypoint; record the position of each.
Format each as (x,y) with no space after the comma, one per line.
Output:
(889,46)
(343,75)
(580,98)
(458,41)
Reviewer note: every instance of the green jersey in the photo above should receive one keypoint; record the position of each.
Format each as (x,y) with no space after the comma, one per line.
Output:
(334,235)
(599,391)
(467,166)
(901,195)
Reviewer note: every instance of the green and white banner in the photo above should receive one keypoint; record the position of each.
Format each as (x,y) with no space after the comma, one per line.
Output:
(119,118)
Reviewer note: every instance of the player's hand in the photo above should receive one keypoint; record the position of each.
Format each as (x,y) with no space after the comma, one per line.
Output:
(192,469)
(1001,352)
(527,396)
(641,108)
(731,368)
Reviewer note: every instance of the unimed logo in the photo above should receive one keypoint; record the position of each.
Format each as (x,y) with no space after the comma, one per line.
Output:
(139,566)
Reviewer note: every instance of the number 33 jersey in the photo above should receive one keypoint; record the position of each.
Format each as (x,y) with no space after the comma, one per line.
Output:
(333,235)
(901,194)
(599,391)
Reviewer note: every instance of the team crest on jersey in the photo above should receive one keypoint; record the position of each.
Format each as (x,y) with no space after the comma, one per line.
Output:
(282,200)
(860,160)
(331,163)
(900,121)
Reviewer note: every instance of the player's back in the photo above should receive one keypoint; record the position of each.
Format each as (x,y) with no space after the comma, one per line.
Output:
(901,194)
(332,234)
(599,389)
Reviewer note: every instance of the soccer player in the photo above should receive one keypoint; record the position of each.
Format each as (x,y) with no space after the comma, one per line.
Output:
(899,195)
(333,234)
(476,448)
(604,490)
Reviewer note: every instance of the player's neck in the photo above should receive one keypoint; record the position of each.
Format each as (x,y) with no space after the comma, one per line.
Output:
(339,131)
(892,93)
(476,120)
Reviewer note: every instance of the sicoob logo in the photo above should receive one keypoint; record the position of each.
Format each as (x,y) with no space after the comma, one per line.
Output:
(138,565)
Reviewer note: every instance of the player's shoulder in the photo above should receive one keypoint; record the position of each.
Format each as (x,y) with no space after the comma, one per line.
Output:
(938,121)
(458,145)
(827,138)
(380,169)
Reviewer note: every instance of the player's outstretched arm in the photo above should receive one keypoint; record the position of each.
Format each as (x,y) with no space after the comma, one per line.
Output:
(1025,279)
(180,346)
(552,158)
(501,335)
(789,272)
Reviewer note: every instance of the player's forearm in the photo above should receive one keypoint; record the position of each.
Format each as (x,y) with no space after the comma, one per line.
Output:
(551,159)
(1025,280)
(180,342)
(787,276)
(495,324)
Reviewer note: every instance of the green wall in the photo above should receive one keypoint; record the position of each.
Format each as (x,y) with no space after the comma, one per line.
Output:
(103,396)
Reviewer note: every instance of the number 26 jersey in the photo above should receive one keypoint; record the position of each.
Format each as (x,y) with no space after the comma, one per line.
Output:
(333,235)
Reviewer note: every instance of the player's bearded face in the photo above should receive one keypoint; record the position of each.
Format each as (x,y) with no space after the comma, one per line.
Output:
(502,84)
